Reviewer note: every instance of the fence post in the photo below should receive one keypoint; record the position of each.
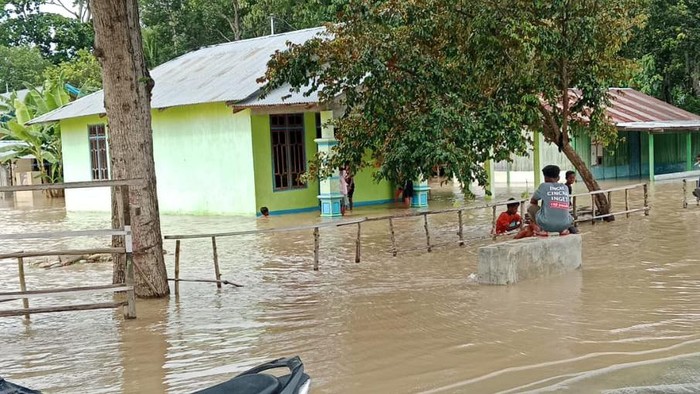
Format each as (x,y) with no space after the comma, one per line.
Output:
(575,210)
(685,192)
(427,232)
(317,241)
(461,228)
(393,237)
(493,224)
(610,205)
(646,199)
(627,201)
(130,310)
(592,209)
(22,284)
(358,243)
(177,267)
(216,262)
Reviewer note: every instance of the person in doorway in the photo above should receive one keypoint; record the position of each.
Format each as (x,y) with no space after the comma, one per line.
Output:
(264,211)
(570,180)
(350,180)
(510,219)
(553,215)
(343,190)
(407,193)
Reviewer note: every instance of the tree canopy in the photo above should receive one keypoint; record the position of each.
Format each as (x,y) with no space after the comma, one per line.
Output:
(57,37)
(455,83)
(174,27)
(667,49)
(20,66)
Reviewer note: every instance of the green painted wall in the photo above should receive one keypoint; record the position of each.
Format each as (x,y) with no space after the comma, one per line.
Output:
(288,200)
(203,155)
(76,165)
(369,191)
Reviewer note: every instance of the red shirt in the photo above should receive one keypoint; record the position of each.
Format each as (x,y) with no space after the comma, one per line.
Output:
(507,222)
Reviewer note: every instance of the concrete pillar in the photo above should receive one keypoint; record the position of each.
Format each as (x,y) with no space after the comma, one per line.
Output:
(537,141)
(330,187)
(490,188)
(420,193)
(651,156)
(688,151)
(513,261)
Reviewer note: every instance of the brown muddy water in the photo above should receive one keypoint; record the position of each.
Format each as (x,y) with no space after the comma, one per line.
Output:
(629,321)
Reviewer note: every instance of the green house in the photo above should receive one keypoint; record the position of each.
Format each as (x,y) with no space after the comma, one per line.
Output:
(218,147)
(656,140)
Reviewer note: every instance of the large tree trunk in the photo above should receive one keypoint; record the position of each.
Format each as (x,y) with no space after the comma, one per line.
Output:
(588,179)
(127,95)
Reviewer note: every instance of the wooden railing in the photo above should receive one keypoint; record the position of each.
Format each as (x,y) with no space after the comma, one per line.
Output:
(124,232)
(609,192)
(430,244)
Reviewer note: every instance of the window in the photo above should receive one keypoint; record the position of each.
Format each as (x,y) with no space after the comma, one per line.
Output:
(319,128)
(288,153)
(596,154)
(98,151)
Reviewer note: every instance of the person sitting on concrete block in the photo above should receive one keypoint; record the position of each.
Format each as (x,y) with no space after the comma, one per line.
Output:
(553,216)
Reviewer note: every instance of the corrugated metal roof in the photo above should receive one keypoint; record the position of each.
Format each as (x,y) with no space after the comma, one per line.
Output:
(630,109)
(281,96)
(220,73)
(21,94)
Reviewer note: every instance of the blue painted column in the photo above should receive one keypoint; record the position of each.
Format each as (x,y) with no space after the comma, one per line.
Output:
(330,187)
(420,193)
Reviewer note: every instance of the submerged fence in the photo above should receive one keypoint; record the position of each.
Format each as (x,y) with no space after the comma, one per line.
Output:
(695,185)
(124,232)
(580,215)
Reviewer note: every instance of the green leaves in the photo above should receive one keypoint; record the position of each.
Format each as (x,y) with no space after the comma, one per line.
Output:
(454,83)
(43,141)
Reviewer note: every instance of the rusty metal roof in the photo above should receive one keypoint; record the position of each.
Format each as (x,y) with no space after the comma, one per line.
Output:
(219,73)
(633,110)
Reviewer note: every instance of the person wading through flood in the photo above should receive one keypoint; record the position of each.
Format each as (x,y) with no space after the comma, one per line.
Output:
(350,180)
(343,190)
(553,216)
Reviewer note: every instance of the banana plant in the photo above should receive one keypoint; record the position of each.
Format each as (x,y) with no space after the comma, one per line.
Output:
(42,141)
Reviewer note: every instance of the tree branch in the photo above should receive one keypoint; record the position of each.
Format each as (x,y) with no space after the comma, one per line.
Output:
(551,129)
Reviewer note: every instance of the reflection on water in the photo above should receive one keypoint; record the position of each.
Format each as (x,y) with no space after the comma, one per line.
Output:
(627,322)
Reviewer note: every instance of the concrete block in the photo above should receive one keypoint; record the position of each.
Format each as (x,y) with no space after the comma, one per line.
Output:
(513,261)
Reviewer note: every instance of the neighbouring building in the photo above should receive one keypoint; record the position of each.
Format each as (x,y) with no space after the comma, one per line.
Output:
(656,140)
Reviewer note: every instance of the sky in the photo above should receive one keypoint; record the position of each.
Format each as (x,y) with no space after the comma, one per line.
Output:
(56,9)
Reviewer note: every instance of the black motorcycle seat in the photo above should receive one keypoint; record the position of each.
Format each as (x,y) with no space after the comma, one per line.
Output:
(246,384)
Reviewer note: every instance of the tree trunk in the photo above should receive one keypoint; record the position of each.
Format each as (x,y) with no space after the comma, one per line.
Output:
(601,201)
(127,95)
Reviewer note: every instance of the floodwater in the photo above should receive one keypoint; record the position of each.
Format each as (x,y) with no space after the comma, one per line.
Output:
(628,322)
